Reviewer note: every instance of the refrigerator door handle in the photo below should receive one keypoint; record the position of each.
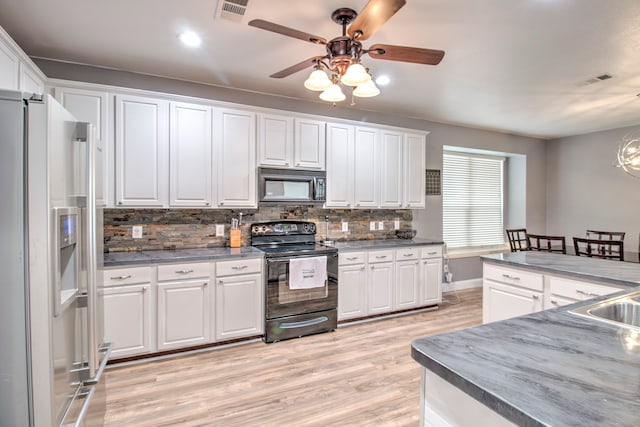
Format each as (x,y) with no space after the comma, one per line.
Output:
(106,349)
(85,393)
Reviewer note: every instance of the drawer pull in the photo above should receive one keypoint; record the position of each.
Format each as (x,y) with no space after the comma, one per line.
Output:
(535,297)
(381,256)
(407,255)
(352,258)
(239,267)
(432,253)
(554,302)
(507,276)
(184,271)
(128,276)
(145,288)
(589,294)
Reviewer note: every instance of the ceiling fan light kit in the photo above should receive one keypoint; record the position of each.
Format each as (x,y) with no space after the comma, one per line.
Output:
(342,60)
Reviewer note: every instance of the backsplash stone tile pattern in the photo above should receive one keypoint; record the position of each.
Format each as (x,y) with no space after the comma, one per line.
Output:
(196,228)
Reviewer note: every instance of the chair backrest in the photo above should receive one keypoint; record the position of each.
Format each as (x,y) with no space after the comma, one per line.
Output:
(517,239)
(539,242)
(597,248)
(605,235)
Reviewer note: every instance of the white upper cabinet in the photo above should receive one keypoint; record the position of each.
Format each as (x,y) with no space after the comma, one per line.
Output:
(9,68)
(141,143)
(365,191)
(235,137)
(309,147)
(275,140)
(340,158)
(287,142)
(390,168)
(414,170)
(93,107)
(29,80)
(190,161)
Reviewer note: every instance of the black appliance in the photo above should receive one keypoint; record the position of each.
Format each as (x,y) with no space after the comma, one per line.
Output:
(292,313)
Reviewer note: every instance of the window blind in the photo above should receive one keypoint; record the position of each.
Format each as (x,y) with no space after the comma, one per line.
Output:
(472,200)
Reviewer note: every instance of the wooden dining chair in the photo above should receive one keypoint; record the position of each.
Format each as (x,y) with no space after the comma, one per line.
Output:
(517,239)
(542,243)
(605,235)
(598,248)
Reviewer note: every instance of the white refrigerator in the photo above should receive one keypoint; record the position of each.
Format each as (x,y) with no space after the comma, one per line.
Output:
(52,353)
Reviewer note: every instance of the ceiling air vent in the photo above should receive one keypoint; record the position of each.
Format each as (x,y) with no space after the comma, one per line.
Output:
(232,10)
(597,79)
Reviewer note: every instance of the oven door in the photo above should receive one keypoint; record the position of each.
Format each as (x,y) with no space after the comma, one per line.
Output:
(283,301)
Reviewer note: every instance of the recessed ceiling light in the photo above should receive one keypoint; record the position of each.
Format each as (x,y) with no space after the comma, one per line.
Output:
(383,80)
(190,38)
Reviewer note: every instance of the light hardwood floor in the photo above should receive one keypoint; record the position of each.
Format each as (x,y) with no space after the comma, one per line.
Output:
(359,375)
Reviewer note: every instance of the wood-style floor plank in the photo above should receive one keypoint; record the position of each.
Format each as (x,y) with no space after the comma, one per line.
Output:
(360,375)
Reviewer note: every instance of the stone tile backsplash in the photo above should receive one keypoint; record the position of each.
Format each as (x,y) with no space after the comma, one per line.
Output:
(196,228)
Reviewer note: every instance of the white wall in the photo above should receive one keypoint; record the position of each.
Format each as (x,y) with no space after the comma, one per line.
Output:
(586,191)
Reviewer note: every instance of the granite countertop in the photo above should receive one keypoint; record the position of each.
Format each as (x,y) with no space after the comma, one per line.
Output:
(114,259)
(353,245)
(550,368)
(617,273)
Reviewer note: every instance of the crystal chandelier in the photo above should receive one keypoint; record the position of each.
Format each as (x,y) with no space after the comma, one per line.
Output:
(629,153)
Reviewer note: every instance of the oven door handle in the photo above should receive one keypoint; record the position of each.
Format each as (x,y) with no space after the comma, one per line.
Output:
(294,325)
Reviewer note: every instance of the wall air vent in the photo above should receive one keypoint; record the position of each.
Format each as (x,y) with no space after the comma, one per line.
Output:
(232,10)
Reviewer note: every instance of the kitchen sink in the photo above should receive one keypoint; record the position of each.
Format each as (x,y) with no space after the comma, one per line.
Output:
(622,311)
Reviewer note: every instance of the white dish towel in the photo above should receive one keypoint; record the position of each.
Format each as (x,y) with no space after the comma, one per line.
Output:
(307,273)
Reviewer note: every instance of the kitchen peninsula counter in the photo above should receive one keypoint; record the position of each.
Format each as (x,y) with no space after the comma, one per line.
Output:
(118,259)
(550,368)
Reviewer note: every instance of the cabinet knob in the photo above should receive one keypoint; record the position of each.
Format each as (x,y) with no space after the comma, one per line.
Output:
(119,202)
(207,203)
(554,302)
(535,297)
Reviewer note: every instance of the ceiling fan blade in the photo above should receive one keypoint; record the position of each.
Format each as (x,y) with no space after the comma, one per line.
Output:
(286,31)
(295,68)
(374,14)
(406,54)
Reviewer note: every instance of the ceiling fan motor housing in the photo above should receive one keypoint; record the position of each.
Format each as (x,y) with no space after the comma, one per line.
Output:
(341,50)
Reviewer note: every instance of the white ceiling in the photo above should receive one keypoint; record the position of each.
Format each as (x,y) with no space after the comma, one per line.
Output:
(515,66)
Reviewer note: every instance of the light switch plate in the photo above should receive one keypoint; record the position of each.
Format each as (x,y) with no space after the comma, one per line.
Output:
(136,232)
(345,226)
(372,226)
(380,225)
(219,230)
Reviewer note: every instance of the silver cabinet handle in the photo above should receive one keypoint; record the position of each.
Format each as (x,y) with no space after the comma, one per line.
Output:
(432,253)
(506,276)
(352,258)
(589,294)
(184,271)
(239,267)
(128,276)
(407,255)
(381,256)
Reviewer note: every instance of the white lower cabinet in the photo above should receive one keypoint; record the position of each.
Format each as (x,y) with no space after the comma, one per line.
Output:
(128,319)
(239,299)
(563,291)
(380,281)
(431,275)
(407,278)
(183,305)
(352,285)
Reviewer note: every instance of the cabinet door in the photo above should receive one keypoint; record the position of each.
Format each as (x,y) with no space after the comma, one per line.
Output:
(142,133)
(407,280)
(29,80)
(309,145)
(365,191)
(380,287)
(391,171)
(414,170)
(500,301)
(340,146)
(352,291)
(128,320)
(190,144)
(239,306)
(9,68)
(183,313)
(431,281)
(275,140)
(93,107)
(236,148)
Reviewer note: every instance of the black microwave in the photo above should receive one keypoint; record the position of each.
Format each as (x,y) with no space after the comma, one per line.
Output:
(291,186)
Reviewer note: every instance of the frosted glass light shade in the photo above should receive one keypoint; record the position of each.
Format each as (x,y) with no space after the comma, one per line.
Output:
(318,80)
(355,75)
(629,154)
(366,90)
(333,94)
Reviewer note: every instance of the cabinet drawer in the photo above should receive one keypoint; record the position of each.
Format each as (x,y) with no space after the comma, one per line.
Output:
(127,276)
(577,290)
(238,266)
(183,271)
(431,252)
(351,258)
(380,256)
(512,276)
(405,254)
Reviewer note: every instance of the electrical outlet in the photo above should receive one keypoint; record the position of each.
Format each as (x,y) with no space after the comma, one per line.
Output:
(219,230)
(446,268)
(345,226)
(136,232)
(396,224)
(372,226)
(380,225)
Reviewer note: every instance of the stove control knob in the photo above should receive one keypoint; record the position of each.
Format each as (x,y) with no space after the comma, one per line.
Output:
(312,228)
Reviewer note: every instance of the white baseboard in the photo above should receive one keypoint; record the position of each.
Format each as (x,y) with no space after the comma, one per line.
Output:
(462,284)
